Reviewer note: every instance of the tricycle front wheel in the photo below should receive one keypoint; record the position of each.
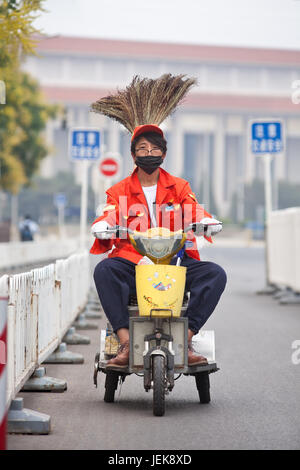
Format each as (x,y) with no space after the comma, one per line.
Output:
(158,371)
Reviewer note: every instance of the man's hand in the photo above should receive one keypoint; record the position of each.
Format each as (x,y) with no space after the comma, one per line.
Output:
(211,226)
(99,230)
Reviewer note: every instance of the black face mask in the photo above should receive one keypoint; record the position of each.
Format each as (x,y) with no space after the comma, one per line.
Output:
(148,164)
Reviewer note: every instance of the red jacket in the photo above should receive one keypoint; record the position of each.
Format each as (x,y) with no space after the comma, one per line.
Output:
(176,207)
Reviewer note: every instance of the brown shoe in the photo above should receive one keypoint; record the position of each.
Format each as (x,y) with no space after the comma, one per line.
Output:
(122,358)
(195,359)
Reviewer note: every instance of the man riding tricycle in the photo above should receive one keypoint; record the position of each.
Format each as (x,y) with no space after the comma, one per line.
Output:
(150,226)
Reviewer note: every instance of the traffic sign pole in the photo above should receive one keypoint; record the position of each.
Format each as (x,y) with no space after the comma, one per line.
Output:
(60,202)
(268,185)
(267,140)
(83,203)
(84,146)
(61,221)
(268,209)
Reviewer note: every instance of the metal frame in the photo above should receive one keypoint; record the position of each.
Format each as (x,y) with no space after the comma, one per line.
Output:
(211,367)
(152,320)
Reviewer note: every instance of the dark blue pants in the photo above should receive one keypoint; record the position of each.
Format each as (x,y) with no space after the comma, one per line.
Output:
(115,281)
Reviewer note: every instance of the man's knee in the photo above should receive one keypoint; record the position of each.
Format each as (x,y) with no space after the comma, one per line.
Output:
(102,269)
(219,274)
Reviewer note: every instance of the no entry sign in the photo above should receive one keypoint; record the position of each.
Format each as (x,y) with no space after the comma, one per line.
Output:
(109,166)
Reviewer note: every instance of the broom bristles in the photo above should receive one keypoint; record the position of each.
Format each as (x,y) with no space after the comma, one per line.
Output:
(145,100)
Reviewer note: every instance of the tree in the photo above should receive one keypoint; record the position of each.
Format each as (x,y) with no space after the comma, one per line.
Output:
(16,31)
(25,114)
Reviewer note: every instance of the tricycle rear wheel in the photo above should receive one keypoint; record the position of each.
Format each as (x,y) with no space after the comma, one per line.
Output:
(203,386)
(111,385)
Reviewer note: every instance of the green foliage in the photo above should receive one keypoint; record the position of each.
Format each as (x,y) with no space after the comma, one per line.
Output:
(25,114)
(22,121)
(16,30)
(32,117)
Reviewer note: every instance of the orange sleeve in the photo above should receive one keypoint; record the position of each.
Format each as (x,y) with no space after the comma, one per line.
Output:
(111,216)
(110,211)
(192,211)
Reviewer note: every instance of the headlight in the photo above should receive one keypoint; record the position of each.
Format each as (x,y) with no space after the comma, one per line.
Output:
(158,247)
(158,243)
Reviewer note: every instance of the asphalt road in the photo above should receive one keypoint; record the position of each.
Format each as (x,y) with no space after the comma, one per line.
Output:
(255,394)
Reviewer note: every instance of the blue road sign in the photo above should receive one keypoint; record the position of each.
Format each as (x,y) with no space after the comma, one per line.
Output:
(266,137)
(60,199)
(84,144)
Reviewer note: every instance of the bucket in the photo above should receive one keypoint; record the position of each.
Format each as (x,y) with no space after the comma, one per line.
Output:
(160,289)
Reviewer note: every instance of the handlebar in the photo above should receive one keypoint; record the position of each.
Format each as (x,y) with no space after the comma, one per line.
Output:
(118,230)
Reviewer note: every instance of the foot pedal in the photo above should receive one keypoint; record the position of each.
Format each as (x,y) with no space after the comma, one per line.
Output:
(111,345)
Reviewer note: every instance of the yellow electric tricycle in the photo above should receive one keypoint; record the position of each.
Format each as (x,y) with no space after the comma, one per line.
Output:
(158,327)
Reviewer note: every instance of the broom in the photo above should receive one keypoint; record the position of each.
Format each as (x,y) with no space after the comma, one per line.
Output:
(145,100)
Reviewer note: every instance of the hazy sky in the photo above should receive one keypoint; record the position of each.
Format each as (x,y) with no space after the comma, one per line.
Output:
(258,23)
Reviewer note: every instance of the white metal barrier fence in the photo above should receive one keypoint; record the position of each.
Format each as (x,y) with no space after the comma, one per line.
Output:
(14,254)
(283,247)
(42,305)
(3,342)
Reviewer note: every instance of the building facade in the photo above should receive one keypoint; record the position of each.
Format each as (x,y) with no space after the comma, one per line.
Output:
(208,135)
